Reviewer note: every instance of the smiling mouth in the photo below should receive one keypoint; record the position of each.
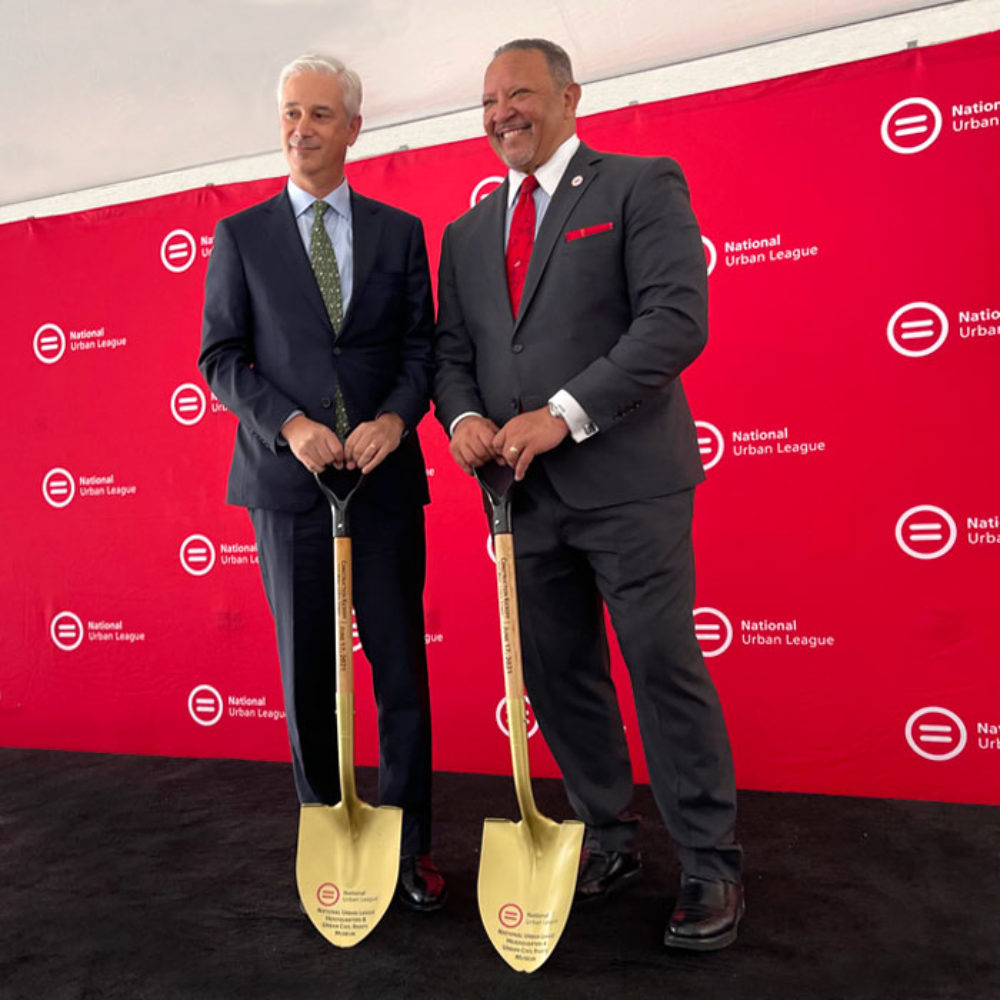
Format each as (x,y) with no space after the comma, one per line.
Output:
(504,134)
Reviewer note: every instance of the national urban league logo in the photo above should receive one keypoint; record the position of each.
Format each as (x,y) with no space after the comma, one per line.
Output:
(936,733)
(58,487)
(917,329)
(205,705)
(911,125)
(328,894)
(197,555)
(485,187)
(711,444)
(711,254)
(926,532)
(510,915)
(355,634)
(188,404)
(530,722)
(49,343)
(713,630)
(66,631)
(178,250)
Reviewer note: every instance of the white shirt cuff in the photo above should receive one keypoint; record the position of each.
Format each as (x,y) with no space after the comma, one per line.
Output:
(459,418)
(579,423)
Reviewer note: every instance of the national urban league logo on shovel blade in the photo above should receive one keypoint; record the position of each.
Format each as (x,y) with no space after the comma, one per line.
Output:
(527,870)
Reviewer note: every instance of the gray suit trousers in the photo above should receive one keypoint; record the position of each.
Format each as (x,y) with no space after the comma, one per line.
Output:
(637,559)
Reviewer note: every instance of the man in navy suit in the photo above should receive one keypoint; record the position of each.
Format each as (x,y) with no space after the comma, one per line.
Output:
(318,317)
(570,301)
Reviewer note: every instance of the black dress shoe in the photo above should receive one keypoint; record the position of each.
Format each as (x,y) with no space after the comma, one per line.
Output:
(706,916)
(605,872)
(420,886)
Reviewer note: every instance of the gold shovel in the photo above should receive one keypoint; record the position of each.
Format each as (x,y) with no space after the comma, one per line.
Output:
(348,854)
(528,869)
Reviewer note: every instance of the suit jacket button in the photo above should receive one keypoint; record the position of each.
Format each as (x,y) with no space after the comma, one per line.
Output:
(337,350)
(327,402)
(517,348)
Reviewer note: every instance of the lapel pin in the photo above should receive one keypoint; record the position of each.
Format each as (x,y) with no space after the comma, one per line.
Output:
(577,181)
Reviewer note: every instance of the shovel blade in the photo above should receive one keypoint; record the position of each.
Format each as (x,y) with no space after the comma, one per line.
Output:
(527,878)
(346,867)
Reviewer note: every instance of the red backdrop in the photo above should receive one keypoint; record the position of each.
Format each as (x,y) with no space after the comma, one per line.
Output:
(847,534)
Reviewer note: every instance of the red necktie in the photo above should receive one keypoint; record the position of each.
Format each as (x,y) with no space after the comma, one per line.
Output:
(520,240)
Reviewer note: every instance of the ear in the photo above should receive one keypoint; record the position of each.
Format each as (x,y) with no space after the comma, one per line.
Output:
(571,98)
(353,129)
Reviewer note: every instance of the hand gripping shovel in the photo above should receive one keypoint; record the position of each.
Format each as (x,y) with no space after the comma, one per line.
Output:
(528,869)
(348,854)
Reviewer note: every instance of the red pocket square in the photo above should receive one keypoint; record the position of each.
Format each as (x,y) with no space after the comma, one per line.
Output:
(578,234)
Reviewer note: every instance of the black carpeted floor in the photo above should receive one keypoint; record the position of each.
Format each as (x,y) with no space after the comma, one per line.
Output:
(159,879)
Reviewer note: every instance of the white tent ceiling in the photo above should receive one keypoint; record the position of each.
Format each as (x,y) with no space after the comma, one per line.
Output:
(102,91)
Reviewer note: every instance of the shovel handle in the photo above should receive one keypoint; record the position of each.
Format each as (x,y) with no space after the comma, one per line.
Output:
(343,601)
(339,486)
(513,672)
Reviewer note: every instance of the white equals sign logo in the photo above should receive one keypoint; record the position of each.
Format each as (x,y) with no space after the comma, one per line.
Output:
(178,250)
(187,404)
(936,733)
(911,125)
(485,187)
(711,254)
(713,630)
(66,631)
(205,705)
(917,329)
(355,634)
(926,532)
(197,555)
(710,443)
(58,488)
(49,343)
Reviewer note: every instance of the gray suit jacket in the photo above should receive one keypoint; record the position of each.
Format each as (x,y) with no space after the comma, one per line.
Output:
(614,308)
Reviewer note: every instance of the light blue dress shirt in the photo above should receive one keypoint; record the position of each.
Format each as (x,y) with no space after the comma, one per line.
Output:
(337,222)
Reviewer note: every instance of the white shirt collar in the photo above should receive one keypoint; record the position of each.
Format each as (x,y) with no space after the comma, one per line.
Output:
(339,199)
(549,174)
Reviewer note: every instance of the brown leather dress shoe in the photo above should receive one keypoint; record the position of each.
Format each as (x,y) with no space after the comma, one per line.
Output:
(707,914)
(420,886)
(605,872)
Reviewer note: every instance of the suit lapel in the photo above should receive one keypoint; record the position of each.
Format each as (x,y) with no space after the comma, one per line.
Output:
(577,178)
(490,240)
(366,226)
(287,244)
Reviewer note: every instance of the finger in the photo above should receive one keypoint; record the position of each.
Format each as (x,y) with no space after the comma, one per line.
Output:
(509,455)
(337,456)
(458,454)
(523,461)
(363,451)
(372,457)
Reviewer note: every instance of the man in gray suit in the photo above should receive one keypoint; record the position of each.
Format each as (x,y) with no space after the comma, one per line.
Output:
(567,367)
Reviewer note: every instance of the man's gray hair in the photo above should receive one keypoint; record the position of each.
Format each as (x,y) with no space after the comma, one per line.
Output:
(350,82)
(560,68)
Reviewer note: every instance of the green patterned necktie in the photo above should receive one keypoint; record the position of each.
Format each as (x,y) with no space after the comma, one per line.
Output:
(324,265)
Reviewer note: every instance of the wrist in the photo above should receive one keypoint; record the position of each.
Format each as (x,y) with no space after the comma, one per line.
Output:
(394,420)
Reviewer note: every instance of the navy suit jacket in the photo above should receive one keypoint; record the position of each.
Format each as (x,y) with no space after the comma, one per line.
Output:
(268,347)
(614,308)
